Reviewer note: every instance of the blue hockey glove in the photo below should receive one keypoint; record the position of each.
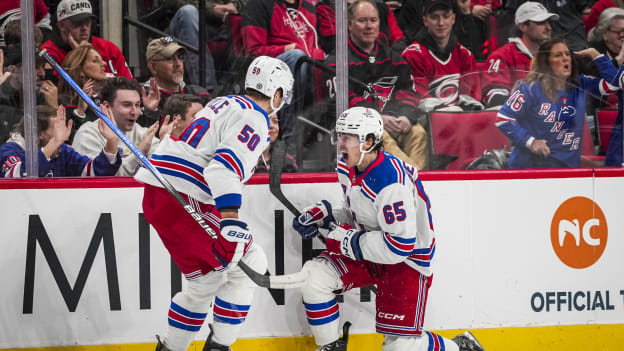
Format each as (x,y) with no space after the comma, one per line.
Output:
(308,222)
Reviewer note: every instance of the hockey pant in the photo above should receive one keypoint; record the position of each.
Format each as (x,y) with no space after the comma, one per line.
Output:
(410,147)
(232,291)
(402,292)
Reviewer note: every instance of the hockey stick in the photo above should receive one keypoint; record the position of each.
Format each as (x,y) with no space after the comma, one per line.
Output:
(253,275)
(278,154)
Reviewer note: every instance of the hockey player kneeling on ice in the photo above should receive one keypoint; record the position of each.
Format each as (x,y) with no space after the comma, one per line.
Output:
(209,164)
(389,242)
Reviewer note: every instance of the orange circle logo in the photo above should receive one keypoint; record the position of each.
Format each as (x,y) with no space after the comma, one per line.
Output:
(578,232)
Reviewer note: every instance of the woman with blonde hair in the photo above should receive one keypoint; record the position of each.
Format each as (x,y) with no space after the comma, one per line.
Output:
(545,114)
(87,68)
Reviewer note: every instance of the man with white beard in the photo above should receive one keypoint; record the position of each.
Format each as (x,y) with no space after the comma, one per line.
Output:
(165,60)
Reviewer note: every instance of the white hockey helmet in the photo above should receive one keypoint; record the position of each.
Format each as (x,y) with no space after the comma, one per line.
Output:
(361,121)
(266,75)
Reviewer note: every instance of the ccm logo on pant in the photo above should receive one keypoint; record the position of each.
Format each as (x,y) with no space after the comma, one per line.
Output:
(390,316)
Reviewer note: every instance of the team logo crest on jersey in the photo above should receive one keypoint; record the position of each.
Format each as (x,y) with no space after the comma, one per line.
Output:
(293,21)
(567,113)
(445,88)
(384,89)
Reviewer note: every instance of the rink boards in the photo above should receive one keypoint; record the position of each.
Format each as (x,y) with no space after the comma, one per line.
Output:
(526,259)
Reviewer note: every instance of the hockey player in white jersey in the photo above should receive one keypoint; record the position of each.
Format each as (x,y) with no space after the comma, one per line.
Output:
(389,242)
(209,164)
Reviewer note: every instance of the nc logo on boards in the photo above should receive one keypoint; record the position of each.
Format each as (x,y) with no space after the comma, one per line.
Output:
(578,232)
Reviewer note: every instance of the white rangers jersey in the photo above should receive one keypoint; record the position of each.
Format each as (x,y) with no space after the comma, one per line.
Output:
(216,154)
(389,204)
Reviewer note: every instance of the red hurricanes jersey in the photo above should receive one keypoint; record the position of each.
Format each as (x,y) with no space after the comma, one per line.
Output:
(445,80)
(506,66)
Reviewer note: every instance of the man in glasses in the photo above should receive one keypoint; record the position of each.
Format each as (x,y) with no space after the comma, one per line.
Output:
(511,62)
(73,19)
(165,61)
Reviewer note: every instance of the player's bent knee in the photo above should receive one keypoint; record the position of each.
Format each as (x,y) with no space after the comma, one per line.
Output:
(322,277)
(256,259)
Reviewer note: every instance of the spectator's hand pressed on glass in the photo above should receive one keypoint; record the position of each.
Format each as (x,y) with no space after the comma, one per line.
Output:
(112,140)
(146,141)
(151,99)
(166,128)
(540,147)
(49,92)
(58,135)
(481,12)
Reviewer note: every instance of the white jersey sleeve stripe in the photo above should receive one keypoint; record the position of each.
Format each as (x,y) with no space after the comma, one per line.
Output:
(423,257)
(398,245)
(228,158)
(180,168)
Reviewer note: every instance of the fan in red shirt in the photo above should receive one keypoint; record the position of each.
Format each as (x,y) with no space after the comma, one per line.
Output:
(74,24)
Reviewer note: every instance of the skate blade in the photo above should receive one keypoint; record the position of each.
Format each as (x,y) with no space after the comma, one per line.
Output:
(472,337)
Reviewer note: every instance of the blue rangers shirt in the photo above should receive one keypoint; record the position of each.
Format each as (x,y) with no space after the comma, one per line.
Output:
(528,115)
(68,163)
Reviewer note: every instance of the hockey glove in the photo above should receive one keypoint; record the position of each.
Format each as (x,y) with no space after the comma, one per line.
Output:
(312,217)
(346,241)
(233,241)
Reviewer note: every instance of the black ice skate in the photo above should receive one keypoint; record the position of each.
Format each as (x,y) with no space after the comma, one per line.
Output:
(467,342)
(341,343)
(160,346)
(213,346)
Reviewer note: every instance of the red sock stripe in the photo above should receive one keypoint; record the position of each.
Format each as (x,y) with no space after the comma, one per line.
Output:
(182,319)
(323,313)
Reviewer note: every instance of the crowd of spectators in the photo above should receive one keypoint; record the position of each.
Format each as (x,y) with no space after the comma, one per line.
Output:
(406,58)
